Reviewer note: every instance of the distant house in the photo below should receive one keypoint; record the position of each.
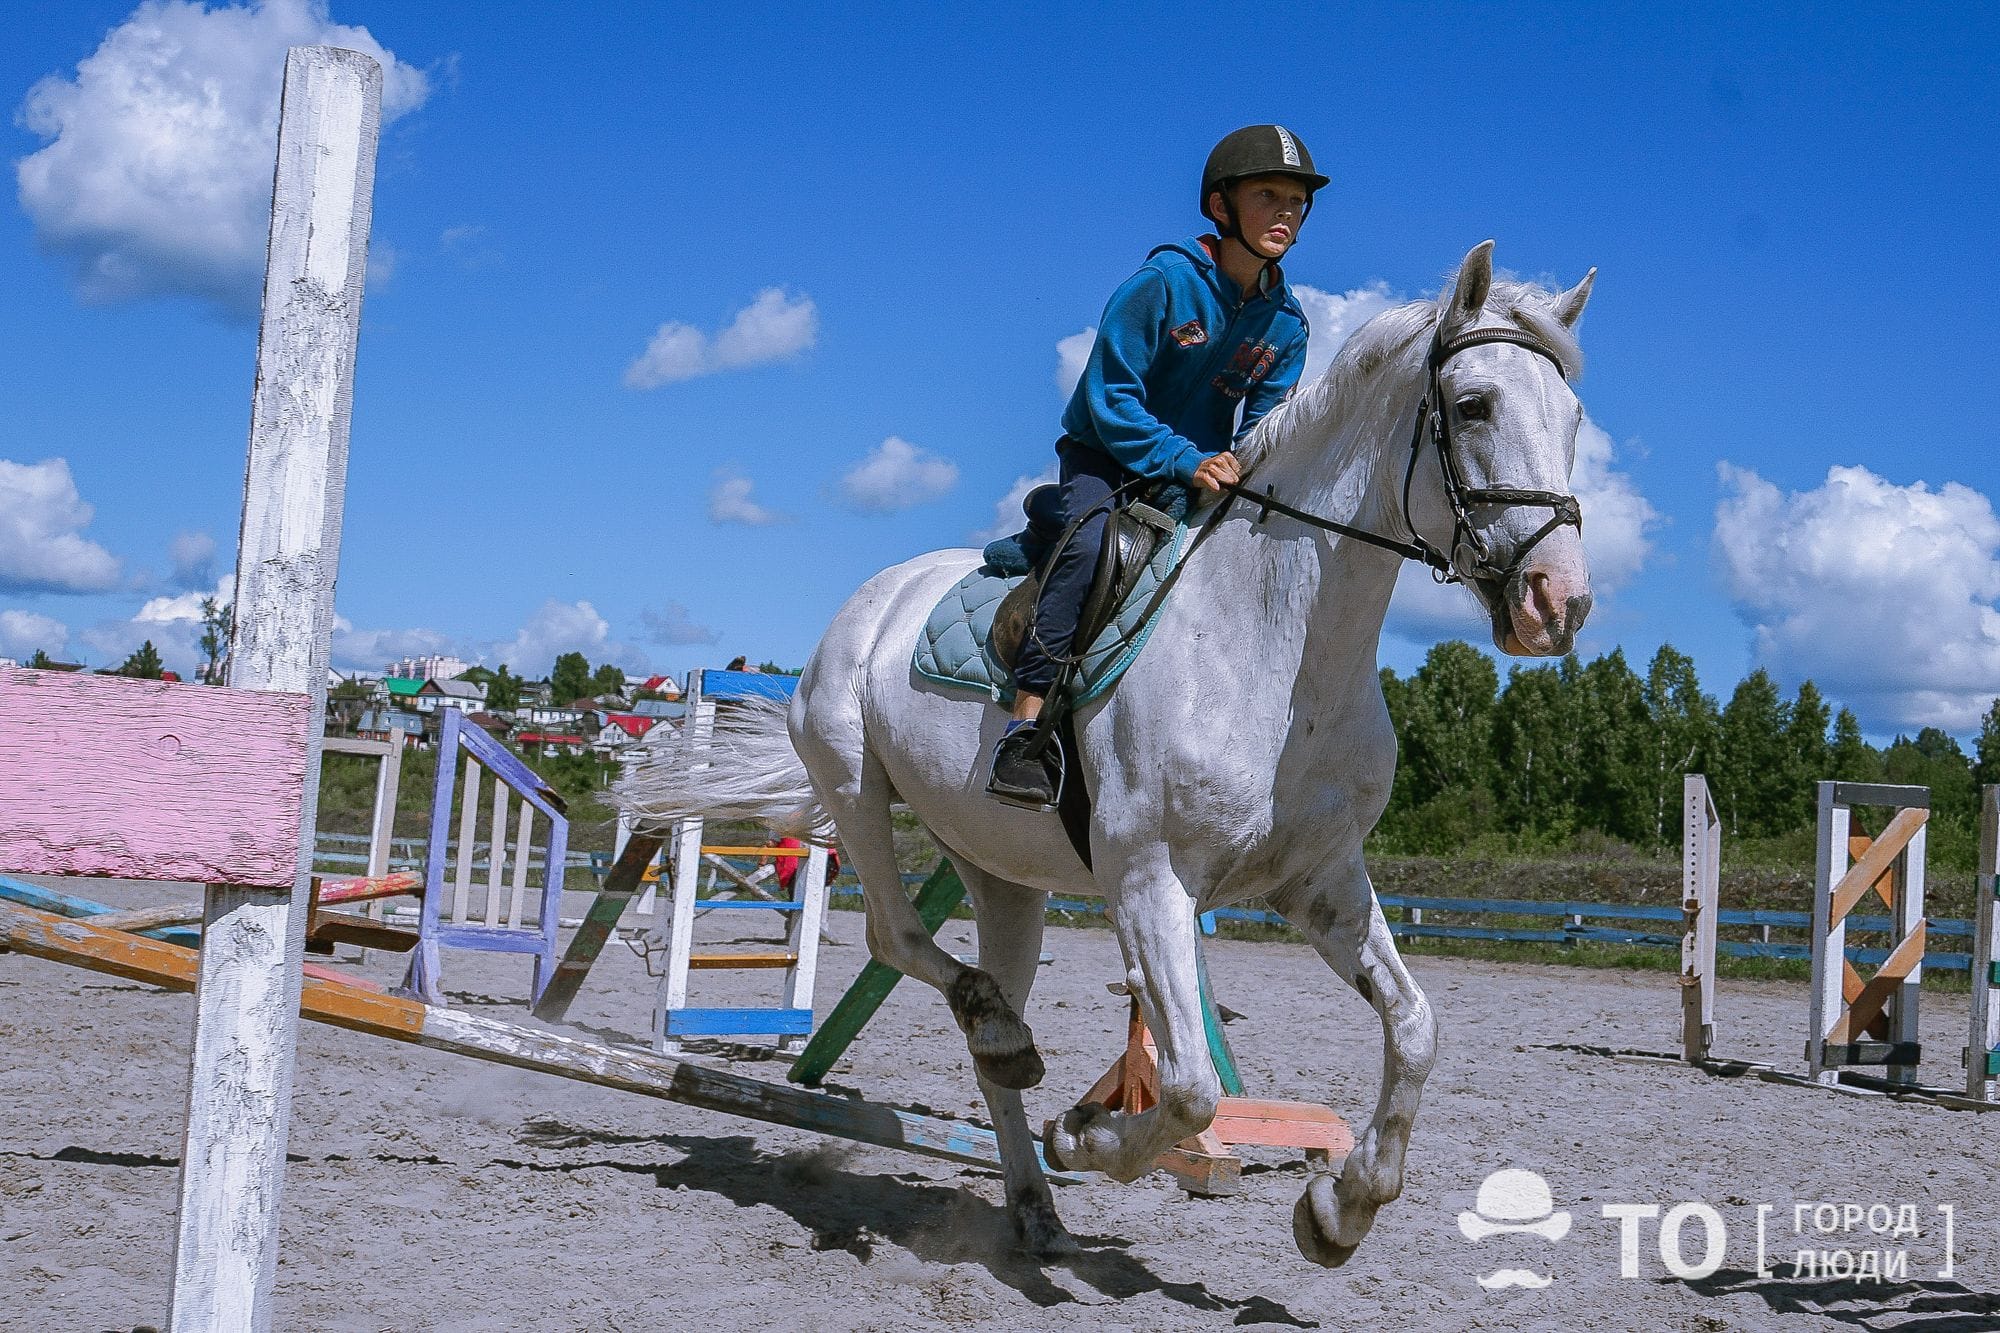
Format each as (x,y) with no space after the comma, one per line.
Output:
(662,685)
(550,742)
(491,723)
(615,731)
(376,722)
(172,677)
(401,689)
(542,717)
(660,709)
(435,694)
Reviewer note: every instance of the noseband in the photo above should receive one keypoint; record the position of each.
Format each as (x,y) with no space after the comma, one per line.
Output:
(1434,422)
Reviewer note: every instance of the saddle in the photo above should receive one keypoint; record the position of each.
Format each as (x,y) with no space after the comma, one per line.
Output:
(1132,537)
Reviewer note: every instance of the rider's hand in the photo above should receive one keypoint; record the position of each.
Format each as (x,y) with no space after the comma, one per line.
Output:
(1217,471)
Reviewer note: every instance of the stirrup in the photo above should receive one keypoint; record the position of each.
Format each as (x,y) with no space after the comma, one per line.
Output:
(1054,765)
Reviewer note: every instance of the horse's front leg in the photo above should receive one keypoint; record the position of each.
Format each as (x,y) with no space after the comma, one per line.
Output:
(1338,914)
(1155,920)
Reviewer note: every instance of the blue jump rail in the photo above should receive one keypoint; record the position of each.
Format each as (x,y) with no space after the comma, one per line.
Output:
(1575,928)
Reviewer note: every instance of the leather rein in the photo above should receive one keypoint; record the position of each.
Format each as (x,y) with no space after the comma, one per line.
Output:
(1433,421)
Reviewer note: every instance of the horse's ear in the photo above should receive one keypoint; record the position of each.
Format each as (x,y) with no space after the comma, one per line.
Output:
(1468,294)
(1569,306)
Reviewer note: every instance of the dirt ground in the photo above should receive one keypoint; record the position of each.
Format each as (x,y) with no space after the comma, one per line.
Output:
(429,1191)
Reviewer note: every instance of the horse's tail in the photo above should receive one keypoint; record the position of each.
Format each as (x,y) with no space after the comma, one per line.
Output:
(745,768)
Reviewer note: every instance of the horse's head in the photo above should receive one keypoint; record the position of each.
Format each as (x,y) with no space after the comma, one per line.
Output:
(1489,475)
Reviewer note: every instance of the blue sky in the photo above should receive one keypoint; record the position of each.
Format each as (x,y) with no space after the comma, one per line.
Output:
(1791,212)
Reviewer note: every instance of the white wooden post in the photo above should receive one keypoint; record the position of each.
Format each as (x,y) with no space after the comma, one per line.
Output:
(804,944)
(1907,914)
(687,873)
(1829,937)
(253,940)
(1701,863)
(1982,1078)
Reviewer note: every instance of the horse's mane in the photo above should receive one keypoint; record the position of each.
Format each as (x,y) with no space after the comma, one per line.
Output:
(1346,392)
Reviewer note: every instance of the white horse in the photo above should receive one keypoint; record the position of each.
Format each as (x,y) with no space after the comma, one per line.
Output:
(1246,753)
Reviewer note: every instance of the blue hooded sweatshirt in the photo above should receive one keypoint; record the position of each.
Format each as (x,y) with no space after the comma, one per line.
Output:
(1178,350)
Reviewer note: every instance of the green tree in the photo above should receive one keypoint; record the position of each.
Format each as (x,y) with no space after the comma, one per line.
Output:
(1751,754)
(1447,739)
(1933,760)
(570,680)
(1850,758)
(1536,750)
(1615,734)
(1807,756)
(144,663)
(1682,741)
(218,622)
(1986,769)
(345,703)
(503,692)
(41,661)
(607,679)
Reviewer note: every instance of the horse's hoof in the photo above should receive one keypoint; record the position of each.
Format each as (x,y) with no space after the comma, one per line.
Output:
(1003,1049)
(1040,1232)
(1312,1238)
(1051,1158)
(1017,1067)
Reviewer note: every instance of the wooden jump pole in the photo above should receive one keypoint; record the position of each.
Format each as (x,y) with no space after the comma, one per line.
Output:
(78,943)
(253,939)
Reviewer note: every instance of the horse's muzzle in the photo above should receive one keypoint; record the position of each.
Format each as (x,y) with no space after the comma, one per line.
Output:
(1539,612)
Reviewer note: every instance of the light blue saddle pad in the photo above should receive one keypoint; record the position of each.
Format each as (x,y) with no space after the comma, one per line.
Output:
(952,647)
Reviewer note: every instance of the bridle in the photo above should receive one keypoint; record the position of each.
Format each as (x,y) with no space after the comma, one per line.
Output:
(1434,422)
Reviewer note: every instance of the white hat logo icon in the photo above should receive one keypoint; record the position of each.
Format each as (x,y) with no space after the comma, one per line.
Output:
(1513,1200)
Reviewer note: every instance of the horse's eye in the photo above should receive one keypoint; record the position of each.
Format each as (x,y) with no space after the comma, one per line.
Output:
(1472,407)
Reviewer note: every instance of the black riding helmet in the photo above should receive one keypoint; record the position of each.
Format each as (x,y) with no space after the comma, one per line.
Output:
(1255,150)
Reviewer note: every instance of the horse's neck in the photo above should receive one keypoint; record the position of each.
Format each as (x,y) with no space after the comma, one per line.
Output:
(1290,599)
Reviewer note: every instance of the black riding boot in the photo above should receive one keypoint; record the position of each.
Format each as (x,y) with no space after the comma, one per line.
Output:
(1019,776)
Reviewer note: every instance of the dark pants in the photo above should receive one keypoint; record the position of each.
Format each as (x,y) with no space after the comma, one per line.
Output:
(1087,476)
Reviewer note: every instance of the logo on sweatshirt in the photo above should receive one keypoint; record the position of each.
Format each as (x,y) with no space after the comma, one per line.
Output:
(1190,334)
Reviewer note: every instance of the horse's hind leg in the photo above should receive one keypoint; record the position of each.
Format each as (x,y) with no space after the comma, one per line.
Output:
(855,790)
(1338,914)
(1010,948)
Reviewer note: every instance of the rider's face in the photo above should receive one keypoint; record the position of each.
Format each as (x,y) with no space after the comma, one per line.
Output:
(1269,210)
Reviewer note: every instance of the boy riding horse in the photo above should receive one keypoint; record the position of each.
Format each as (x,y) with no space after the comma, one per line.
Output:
(1193,349)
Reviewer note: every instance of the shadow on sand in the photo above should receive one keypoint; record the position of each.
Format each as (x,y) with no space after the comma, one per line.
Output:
(1908,1307)
(845,1210)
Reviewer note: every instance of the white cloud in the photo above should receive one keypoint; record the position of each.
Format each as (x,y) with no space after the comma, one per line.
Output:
(1883,594)
(674,626)
(1332,318)
(897,475)
(41,546)
(1007,516)
(1617,525)
(1617,519)
(729,502)
(22,632)
(1071,353)
(562,627)
(157,176)
(193,554)
(773,327)
(373,649)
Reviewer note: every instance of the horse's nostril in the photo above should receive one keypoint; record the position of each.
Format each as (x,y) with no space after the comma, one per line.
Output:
(1576,611)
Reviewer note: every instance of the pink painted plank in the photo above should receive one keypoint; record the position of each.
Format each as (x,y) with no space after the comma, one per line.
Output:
(140,779)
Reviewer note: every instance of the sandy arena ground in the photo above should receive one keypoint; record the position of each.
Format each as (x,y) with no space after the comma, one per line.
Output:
(432,1192)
